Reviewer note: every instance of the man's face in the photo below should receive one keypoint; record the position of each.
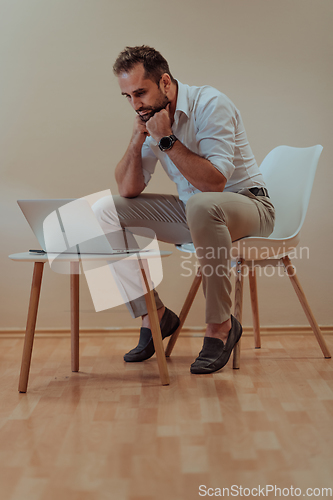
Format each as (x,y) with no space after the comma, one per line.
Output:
(144,95)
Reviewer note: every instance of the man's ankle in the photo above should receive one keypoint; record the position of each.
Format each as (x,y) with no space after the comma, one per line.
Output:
(218,330)
(145,318)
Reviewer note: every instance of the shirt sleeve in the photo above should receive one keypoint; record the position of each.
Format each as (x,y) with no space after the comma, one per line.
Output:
(149,161)
(216,123)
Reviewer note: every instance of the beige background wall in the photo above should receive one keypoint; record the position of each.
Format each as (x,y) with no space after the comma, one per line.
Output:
(64,124)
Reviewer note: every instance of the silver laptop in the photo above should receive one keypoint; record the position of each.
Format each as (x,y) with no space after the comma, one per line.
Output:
(68,226)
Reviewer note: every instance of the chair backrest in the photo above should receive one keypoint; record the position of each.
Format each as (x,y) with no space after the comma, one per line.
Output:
(289,174)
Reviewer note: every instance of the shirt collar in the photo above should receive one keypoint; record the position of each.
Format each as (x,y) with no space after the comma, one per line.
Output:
(182,105)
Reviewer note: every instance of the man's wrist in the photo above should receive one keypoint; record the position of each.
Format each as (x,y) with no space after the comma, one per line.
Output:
(158,136)
(166,142)
(138,140)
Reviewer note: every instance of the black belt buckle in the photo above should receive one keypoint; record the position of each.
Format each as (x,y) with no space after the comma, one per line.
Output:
(259,191)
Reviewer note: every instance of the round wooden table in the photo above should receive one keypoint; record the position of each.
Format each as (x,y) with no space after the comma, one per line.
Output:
(39,259)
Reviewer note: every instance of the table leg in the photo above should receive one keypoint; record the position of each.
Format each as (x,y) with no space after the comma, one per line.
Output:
(75,328)
(155,326)
(31,325)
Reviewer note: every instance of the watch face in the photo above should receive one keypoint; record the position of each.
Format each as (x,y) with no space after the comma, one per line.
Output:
(165,142)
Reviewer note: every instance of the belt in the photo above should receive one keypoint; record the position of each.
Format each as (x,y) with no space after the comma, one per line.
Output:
(259,192)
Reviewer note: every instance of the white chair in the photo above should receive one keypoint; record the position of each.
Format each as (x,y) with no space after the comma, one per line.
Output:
(289,174)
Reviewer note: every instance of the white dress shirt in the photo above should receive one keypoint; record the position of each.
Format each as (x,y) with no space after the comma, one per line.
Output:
(210,125)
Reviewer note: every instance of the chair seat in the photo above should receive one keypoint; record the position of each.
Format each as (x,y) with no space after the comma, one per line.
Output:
(260,248)
(255,247)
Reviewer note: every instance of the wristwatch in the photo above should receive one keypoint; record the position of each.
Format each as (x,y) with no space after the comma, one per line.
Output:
(167,142)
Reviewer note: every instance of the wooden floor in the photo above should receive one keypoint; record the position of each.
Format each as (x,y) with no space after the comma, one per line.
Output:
(113,432)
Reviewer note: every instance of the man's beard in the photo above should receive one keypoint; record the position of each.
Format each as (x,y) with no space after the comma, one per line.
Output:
(151,110)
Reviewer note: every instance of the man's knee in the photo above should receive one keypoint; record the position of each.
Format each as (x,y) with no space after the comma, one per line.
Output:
(201,209)
(105,209)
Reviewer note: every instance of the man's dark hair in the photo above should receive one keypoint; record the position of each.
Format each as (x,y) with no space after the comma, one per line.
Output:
(153,62)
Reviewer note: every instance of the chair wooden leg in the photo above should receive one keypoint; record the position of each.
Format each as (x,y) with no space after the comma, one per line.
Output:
(75,325)
(31,325)
(301,297)
(155,327)
(238,308)
(255,307)
(184,312)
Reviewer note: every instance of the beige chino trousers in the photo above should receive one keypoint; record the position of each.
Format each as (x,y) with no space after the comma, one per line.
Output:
(212,221)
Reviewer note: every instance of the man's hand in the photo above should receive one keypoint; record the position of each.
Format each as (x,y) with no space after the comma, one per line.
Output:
(159,125)
(140,131)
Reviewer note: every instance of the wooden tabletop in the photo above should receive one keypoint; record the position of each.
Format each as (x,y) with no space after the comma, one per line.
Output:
(44,257)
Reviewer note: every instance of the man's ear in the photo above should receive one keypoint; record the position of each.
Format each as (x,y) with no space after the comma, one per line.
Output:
(165,82)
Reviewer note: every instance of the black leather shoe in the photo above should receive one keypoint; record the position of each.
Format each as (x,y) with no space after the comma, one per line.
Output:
(145,348)
(215,354)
